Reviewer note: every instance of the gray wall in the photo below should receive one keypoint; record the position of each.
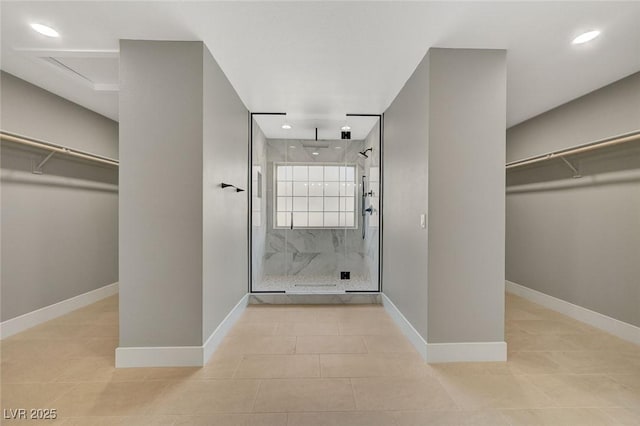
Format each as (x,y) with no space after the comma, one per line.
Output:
(609,111)
(31,111)
(444,152)
(466,195)
(59,229)
(579,239)
(161,227)
(225,238)
(183,262)
(406,138)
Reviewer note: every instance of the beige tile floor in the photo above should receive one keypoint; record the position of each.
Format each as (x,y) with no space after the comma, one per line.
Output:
(326,365)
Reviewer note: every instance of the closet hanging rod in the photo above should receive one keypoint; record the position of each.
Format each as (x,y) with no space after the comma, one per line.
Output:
(616,140)
(12,137)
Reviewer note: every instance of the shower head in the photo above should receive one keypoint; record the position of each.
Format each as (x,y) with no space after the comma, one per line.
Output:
(364,153)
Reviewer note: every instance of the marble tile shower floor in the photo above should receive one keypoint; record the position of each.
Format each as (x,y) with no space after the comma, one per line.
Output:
(310,284)
(325,365)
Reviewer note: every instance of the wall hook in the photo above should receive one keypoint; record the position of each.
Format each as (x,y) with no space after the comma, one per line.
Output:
(228,185)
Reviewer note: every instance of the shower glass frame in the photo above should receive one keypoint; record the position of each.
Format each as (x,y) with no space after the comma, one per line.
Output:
(250,192)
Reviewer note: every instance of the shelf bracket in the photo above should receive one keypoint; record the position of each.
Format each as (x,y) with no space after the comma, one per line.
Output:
(38,168)
(576,173)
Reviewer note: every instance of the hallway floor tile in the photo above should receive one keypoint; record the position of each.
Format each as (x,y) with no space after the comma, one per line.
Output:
(326,365)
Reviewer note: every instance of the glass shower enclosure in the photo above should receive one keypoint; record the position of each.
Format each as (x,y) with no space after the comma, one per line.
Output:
(315,209)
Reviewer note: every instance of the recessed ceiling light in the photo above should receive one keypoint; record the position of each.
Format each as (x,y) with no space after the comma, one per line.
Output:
(315,153)
(585,37)
(286,126)
(44,30)
(338,147)
(345,128)
(292,146)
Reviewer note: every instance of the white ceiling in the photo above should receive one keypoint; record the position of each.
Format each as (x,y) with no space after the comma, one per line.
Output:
(320,60)
(329,128)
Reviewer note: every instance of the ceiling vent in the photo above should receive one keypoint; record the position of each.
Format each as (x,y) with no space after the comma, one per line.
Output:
(98,70)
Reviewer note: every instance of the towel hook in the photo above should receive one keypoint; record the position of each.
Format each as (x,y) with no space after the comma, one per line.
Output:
(228,185)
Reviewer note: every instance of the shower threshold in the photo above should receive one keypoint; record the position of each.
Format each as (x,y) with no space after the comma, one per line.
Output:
(316,299)
(327,284)
(315,285)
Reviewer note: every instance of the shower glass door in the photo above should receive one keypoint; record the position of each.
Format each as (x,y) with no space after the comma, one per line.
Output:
(315,228)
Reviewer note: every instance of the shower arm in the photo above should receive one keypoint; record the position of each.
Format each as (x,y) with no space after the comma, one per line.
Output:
(364,153)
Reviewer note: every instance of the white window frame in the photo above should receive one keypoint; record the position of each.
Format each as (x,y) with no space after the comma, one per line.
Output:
(356,206)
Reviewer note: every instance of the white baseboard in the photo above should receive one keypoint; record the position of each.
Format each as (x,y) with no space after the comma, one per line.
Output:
(466,352)
(218,334)
(31,319)
(159,356)
(445,352)
(408,330)
(616,327)
(180,356)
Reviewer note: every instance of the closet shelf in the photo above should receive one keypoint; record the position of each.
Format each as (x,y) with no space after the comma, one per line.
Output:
(592,146)
(55,149)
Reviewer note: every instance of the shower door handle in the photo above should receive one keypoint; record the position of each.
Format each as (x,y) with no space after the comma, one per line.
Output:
(291,227)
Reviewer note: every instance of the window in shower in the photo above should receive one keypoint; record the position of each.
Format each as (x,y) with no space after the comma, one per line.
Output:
(312,195)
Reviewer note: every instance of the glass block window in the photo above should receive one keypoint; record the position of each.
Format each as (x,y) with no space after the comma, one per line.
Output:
(315,196)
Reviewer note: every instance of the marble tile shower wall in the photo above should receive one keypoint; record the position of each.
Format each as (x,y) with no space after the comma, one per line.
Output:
(258,203)
(373,184)
(314,253)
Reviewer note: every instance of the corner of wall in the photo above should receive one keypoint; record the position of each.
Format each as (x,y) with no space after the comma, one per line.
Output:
(180,356)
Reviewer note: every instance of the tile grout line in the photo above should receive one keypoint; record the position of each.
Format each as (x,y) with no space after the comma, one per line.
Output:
(237,367)
(506,419)
(446,391)
(255,398)
(364,342)
(58,397)
(607,415)
(353,393)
